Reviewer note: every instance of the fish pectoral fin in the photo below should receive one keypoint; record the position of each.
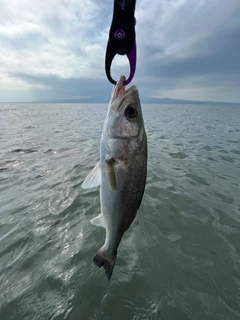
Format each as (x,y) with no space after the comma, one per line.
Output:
(111,173)
(98,221)
(93,179)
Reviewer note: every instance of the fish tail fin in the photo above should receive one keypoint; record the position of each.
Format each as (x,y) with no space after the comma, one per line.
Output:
(107,263)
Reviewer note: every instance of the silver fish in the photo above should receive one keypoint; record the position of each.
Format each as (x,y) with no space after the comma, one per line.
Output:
(121,172)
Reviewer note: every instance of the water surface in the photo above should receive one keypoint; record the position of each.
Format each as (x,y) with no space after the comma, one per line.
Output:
(182,261)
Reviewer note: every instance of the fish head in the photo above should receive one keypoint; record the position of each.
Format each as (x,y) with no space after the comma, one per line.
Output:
(124,118)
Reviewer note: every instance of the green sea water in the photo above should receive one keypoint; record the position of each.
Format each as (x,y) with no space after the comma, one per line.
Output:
(182,261)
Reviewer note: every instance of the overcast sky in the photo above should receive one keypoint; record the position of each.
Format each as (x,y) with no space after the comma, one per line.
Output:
(55,49)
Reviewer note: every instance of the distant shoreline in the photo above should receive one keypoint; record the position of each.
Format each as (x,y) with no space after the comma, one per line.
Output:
(144,100)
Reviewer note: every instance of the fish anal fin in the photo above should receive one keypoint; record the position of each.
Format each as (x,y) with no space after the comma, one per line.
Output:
(111,173)
(98,221)
(93,179)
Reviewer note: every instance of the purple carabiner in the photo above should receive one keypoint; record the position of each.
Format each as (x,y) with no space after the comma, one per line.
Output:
(132,58)
(122,37)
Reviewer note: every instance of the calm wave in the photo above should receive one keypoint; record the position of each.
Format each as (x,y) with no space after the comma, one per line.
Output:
(182,261)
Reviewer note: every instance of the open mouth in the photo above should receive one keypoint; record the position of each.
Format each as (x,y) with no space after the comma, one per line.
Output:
(119,88)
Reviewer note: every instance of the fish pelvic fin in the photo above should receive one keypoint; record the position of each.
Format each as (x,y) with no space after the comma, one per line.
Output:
(107,263)
(98,221)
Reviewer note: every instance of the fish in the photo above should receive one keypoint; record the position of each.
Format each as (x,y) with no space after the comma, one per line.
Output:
(121,171)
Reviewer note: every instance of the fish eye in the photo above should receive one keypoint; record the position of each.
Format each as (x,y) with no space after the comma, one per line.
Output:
(130,113)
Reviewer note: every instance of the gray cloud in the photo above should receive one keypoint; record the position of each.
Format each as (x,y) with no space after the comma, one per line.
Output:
(217,55)
(197,50)
(53,87)
(56,50)
(32,40)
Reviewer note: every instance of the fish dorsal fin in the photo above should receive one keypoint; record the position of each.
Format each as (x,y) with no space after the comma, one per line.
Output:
(98,221)
(111,173)
(93,179)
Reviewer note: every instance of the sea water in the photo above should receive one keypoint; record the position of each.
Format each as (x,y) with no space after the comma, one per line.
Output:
(182,261)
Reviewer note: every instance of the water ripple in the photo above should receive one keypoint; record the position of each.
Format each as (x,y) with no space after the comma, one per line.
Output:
(181,261)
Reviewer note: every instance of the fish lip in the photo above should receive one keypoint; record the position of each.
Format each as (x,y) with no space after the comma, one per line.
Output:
(120,82)
(119,89)
(131,89)
(128,92)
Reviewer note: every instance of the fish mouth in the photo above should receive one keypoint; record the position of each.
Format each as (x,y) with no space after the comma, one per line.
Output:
(119,90)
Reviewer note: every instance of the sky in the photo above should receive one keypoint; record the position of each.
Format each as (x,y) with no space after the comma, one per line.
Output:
(55,50)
